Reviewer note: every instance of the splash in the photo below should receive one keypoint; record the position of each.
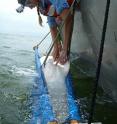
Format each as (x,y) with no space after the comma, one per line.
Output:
(55,78)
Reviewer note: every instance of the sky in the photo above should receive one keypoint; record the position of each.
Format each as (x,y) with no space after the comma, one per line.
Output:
(23,23)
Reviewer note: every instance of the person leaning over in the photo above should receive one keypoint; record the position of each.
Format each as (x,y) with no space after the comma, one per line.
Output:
(57,11)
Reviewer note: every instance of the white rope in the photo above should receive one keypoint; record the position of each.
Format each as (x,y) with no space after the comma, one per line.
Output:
(41,41)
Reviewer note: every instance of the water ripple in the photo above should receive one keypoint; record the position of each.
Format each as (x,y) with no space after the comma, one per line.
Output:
(21,71)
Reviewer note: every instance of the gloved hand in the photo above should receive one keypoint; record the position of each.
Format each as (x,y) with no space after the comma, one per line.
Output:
(20,9)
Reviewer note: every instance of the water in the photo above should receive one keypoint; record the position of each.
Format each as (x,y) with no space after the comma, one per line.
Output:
(17,72)
(56,87)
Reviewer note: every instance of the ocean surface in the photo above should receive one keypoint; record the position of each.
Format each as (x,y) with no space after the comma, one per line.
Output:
(17,73)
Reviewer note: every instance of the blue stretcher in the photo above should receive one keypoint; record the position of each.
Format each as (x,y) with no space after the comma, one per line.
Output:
(42,111)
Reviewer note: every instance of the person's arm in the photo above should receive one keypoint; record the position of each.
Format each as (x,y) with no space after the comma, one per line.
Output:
(54,32)
(68,28)
(55,52)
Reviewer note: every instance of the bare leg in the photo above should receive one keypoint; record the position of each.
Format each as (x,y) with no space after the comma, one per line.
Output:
(57,45)
(68,28)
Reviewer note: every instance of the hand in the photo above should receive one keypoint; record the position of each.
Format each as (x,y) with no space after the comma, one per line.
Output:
(56,51)
(63,58)
(58,20)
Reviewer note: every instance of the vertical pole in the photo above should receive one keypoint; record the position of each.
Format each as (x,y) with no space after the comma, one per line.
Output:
(99,63)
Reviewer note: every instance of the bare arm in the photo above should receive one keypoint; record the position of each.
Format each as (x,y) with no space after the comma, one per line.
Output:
(68,28)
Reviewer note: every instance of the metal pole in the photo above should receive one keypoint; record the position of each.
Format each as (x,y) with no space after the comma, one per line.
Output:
(99,63)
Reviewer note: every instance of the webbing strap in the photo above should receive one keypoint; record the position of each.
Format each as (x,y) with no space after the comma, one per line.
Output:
(42,111)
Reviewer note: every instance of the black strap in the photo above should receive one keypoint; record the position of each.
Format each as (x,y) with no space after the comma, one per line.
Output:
(99,63)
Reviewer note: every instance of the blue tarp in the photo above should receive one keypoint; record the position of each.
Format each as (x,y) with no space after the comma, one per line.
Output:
(42,111)
(73,107)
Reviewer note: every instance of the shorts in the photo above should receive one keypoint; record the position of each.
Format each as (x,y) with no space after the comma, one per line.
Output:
(51,21)
(59,5)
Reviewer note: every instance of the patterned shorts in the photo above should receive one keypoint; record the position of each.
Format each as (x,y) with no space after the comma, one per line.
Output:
(59,5)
